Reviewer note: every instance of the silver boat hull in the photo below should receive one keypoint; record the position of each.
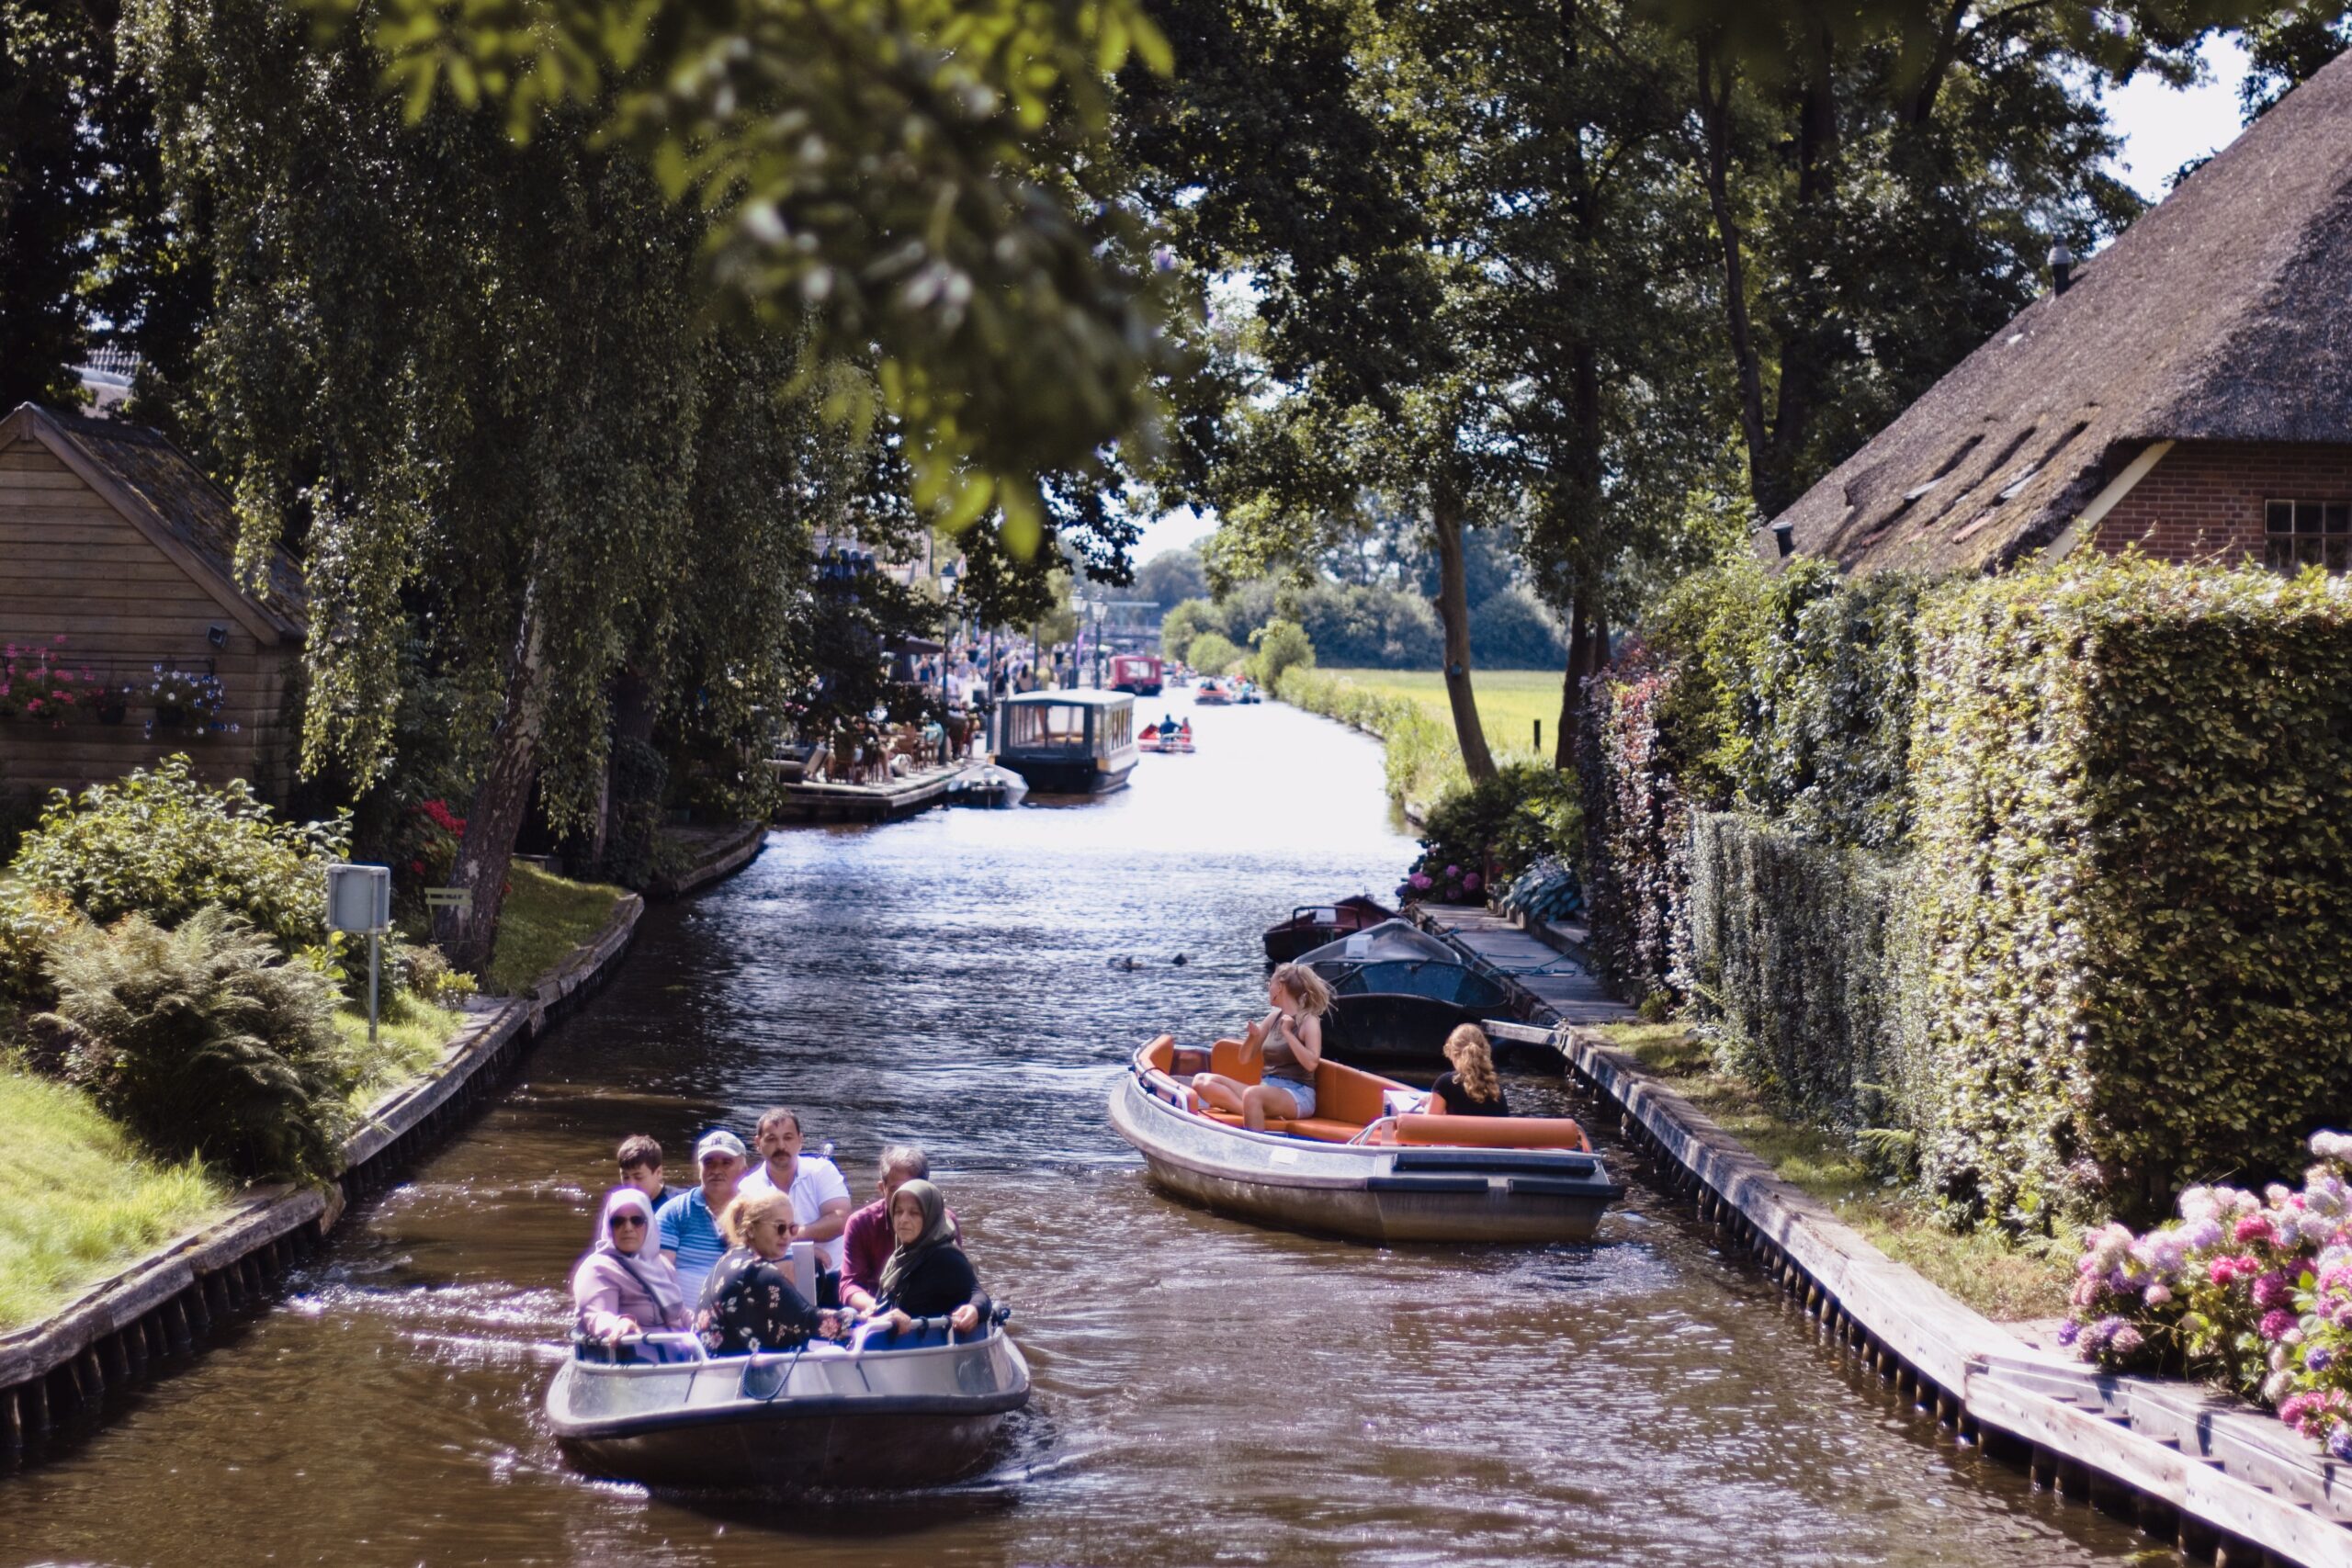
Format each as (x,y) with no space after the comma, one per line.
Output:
(821,1418)
(1366,1193)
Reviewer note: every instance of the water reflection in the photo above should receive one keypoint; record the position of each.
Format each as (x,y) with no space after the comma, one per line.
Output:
(1206,1391)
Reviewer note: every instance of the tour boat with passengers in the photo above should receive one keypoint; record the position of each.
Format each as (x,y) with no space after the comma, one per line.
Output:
(1367,1165)
(882,1410)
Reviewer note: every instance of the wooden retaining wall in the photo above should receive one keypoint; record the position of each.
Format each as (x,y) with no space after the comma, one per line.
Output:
(728,853)
(55,1376)
(2203,1473)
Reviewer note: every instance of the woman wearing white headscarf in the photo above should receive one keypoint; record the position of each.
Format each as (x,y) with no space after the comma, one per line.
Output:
(624,1286)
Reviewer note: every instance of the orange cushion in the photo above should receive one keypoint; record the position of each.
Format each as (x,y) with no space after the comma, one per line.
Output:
(1494,1132)
(1324,1128)
(1225,1059)
(1343,1094)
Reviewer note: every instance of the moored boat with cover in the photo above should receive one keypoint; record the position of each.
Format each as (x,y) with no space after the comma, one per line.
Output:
(917,1409)
(1367,1165)
(1312,925)
(1397,993)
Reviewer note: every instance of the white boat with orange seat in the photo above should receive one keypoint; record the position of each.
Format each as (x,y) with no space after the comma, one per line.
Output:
(1366,1165)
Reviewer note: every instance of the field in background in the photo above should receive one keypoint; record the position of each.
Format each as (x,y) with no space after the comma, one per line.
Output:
(1510,701)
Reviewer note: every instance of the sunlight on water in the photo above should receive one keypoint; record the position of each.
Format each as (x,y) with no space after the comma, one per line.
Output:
(1207,1392)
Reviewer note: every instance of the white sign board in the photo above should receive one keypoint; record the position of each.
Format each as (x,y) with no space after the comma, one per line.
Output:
(359,897)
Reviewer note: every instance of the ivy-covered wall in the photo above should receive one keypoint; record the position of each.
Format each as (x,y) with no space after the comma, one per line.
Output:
(2048,876)
(1800,959)
(2135,793)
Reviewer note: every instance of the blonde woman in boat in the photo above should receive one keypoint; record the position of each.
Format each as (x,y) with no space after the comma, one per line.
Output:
(1472,1089)
(1287,1043)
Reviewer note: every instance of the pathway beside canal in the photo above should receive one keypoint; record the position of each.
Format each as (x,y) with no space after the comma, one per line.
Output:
(1206,1391)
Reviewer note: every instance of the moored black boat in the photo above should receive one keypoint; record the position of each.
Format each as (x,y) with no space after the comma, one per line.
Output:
(1397,992)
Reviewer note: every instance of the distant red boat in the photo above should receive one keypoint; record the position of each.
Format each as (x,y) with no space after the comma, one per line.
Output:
(1156,739)
(1311,926)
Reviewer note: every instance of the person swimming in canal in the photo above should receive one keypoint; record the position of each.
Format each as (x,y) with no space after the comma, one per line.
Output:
(1287,1043)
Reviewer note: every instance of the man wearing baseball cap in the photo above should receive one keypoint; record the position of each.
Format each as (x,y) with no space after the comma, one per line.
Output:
(688,1224)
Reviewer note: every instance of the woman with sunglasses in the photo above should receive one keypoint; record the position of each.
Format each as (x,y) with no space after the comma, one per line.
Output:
(750,1303)
(623,1287)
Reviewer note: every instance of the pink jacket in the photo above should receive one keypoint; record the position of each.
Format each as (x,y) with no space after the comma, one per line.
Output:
(642,1287)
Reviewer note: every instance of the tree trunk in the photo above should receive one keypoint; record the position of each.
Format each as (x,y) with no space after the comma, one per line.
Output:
(1717,81)
(1453,615)
(502,799)
(1588,651)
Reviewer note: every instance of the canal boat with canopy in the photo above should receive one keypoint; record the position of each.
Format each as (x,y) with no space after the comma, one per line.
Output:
(1397,993)
(1312,925)
(1073,742)
(884,1410)
(1367,1165)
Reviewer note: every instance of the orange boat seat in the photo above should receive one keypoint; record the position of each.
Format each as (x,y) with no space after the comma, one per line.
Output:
(1225,1059)
(1344,1094)
(1494,1132)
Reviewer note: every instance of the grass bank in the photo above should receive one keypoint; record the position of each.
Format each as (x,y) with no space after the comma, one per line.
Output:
(80,1201)
(543,919)
(1998,1278)
(1408,709)
(1510,702)
(409,1037)
(78,1198)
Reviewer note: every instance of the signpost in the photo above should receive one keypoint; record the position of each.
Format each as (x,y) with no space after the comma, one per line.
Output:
(360,899)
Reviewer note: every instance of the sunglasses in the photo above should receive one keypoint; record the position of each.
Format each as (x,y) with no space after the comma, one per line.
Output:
(620,1220)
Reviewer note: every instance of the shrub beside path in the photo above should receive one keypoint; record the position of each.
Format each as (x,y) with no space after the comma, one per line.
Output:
(160,1305)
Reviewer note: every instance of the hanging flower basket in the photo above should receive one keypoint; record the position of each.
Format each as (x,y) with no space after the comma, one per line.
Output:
(185,699)
(37,685)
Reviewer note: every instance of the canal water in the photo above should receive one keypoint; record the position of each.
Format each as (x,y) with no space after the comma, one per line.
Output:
(1206,1393)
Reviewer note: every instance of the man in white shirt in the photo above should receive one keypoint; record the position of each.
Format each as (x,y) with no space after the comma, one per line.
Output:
(820,1196)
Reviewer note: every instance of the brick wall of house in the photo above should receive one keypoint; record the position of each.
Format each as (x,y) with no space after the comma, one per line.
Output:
(2206,500)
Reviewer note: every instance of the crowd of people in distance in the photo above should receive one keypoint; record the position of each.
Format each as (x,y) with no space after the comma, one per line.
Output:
(714,1259)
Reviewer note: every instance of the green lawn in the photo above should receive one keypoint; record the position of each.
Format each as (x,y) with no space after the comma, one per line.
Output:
(544,918)
(1510,701)
(409,1037)
(80,1200)
(1998,1278)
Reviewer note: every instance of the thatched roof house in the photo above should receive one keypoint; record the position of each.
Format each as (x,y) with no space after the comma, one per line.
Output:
(118,570)
(2191,392)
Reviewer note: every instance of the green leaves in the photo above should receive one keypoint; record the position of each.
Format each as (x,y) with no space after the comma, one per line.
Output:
(914,184)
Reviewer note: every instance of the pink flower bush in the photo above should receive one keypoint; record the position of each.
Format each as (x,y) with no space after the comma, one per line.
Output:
(2253,1289)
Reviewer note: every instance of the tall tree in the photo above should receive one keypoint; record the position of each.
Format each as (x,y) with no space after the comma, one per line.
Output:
(56,61)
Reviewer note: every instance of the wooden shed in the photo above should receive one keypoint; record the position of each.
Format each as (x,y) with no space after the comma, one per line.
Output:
(119,592)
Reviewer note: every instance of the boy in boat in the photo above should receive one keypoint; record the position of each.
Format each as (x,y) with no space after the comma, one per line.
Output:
(641,1162)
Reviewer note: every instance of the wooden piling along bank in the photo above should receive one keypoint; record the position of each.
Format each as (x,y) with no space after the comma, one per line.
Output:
(2207,1474)
(717,854)
(55,1376)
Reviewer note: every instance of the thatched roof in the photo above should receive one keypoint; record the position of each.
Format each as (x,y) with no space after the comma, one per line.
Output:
(2224,313)
(160,491)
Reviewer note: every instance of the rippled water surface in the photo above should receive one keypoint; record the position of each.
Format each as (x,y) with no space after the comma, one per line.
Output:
(1206,1393)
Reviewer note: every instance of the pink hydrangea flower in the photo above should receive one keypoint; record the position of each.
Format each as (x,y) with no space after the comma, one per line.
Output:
(2276,1323)
(2255,1228)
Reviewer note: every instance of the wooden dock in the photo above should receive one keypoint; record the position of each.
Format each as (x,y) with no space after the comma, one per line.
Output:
(811,800)
(2195,1469)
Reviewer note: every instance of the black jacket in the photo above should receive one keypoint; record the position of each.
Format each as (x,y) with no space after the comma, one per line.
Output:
(942,1281)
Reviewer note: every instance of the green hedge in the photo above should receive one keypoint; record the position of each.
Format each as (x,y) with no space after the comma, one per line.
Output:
(1637,828)
(2133,786)
(1798,961)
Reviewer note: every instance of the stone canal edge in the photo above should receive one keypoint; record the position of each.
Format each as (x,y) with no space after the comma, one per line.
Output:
(136,1325)
(2192,1468)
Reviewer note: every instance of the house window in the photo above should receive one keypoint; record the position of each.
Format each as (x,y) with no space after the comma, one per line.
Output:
(2309,532)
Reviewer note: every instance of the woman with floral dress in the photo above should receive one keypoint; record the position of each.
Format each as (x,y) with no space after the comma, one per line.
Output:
(749,1302)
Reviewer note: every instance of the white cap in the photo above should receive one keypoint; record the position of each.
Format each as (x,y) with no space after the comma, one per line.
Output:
(719,1141)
